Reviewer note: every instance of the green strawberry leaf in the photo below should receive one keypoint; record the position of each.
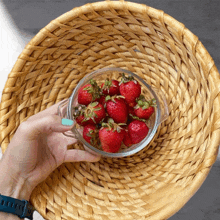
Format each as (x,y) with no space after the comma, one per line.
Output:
(118,129)
(104,124)
(94,90)
(113,100)
(140,103)
(108,83)
(146,106)
(121,124)
(93,119)
(93,82)
(97,109)
(85,119)
(108,97)
(110,120)
(137,118)
(141,97)
(94,104)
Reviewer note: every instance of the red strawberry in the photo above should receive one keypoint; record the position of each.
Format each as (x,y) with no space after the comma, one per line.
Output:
(80,120)
(79,115)
(111,137)
(130,89)
(130,113)
(110,87)
(90,134)
(132,104)
(144,109)
(127,139)
(144,113)
(137,130)
(130,110)
(117,109)
(94,113)
(89,93)
(102,100)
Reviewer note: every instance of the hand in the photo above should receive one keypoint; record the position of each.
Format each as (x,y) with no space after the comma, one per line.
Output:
(36,149)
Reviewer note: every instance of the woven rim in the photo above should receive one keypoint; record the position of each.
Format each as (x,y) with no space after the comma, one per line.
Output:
(157,182)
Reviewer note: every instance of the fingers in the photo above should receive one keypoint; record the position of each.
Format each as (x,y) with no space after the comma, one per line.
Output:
(80,155)
(60,139)
(70,140)
(45,125)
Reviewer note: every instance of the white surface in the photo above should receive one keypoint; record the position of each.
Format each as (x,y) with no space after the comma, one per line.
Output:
(12,42)
(11,45)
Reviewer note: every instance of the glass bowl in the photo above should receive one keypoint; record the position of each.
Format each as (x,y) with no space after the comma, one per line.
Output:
(67,108)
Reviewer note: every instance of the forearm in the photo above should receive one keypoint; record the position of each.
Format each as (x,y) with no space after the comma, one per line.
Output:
(13,186)
(6,189)
(7,216)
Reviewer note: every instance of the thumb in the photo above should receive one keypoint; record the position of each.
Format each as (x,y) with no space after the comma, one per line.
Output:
(45,125)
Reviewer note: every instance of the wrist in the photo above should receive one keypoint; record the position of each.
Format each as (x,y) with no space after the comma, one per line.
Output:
(12,184)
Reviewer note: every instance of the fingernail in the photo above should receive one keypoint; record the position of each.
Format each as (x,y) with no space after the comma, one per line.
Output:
(67,122)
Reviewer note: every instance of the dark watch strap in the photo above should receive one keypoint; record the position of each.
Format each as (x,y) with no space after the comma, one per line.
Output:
(21,208)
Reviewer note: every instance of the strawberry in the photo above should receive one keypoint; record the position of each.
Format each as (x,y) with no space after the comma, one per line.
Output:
(144,109)
(130,110)
(127,139)
(89,93)
(90,134)
(130,89)
(130,113)
(110,87)
(144,113)
(80,120)
(117,109)
(102,100)
(132,104)
(79,115)
(111,136)
(94,113)
(137,130)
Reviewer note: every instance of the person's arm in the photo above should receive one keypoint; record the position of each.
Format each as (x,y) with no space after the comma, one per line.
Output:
(37,148)
(13,186)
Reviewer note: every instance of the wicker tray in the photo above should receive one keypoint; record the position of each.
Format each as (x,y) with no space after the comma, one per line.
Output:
(157,182)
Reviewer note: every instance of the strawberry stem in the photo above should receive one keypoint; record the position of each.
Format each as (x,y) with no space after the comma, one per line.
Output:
(112,98)
(89,112)
(112,125)
(126,79)
(93,89)
(137,118)
(142,103)
(79,110)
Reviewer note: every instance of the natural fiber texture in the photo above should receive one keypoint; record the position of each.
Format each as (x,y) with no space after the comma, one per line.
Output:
(157,182)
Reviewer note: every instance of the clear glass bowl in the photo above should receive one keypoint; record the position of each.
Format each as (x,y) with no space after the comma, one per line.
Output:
(66,110)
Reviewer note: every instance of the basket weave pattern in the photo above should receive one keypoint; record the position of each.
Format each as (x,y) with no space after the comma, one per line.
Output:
(156,182)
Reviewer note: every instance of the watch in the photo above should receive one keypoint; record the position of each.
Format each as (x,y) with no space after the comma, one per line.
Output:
(21,208)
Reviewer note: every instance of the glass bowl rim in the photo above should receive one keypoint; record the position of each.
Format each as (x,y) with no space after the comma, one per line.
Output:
(143,143)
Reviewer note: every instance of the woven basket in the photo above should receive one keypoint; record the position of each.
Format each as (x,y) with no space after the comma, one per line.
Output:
(156,182)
